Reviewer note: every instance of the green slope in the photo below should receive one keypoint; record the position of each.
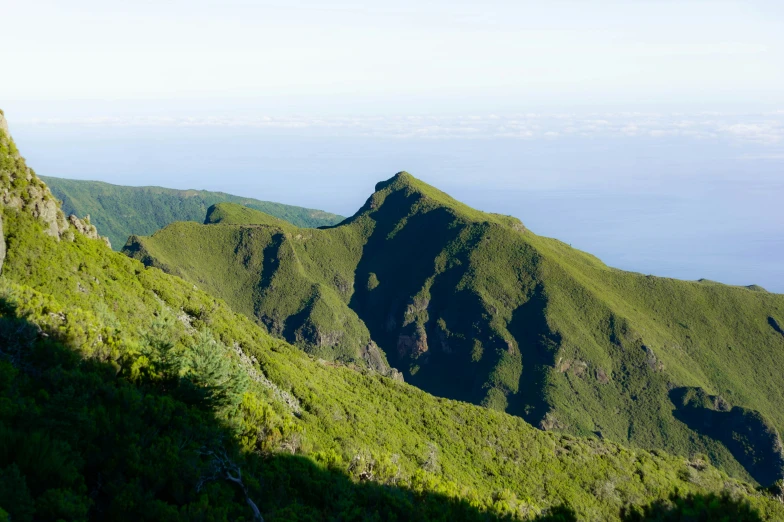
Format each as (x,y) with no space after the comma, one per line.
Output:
(474,307)
(119,212)
(130,394)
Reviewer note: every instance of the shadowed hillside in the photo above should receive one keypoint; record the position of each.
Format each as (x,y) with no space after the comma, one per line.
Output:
(119,212)
(472,306)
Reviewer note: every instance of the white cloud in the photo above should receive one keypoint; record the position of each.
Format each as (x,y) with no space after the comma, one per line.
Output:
(762,129)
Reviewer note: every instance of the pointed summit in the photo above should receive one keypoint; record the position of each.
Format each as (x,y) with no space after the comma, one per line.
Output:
(410,195)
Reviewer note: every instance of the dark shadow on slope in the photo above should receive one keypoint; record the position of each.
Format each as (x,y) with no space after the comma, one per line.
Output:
(450,370)
(294,488)
(402,259)
(270,264)
(271,259)
(538,346)
(751,439)
(80,441)
(775,325)
(694,508)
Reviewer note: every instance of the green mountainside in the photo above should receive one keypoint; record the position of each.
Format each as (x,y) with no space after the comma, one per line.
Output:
(474,307)
(119,212)
(129,394)
(112,410)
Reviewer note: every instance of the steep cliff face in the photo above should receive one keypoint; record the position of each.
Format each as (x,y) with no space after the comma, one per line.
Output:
(87,228)
(22,190)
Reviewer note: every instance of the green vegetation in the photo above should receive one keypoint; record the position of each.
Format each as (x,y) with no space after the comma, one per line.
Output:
(129,394)
(119,212)
(474,307)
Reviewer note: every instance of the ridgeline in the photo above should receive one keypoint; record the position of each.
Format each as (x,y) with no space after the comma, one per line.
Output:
(474,307)
(120,212)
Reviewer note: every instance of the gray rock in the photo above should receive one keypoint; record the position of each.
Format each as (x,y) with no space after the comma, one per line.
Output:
(4,124)
(87,229)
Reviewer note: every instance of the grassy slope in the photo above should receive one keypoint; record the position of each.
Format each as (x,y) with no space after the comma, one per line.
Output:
(119,212)
(101,305)
(474,307)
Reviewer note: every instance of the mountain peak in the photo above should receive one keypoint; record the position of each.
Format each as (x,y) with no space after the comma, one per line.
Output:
(399,180)
(415,195)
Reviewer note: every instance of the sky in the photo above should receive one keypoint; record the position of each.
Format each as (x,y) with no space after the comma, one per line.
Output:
(648,133)
(397,56)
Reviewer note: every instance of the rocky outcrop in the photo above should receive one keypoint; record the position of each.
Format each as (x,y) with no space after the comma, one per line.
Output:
(413,343)
(87,229)
(375,360)
(4,124)
(21,189)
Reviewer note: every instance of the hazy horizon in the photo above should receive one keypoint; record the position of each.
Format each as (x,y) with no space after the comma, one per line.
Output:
(649,133)
(685,196)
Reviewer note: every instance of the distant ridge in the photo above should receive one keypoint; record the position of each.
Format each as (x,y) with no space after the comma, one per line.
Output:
(120,211)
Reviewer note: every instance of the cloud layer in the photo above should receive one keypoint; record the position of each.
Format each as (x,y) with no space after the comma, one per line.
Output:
(760,128)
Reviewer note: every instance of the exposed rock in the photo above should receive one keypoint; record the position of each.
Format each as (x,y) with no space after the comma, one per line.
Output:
(413,344)
(250,364)
(46,211)
(653,363)
(344,286)
(4,124)
(395,375)
(375,360)
(372,355)
(550,423)
(602,376)
(87,229)
(30,194)
(576,366)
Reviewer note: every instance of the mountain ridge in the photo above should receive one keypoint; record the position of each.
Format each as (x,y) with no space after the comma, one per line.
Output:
(475,307)
(120,211)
